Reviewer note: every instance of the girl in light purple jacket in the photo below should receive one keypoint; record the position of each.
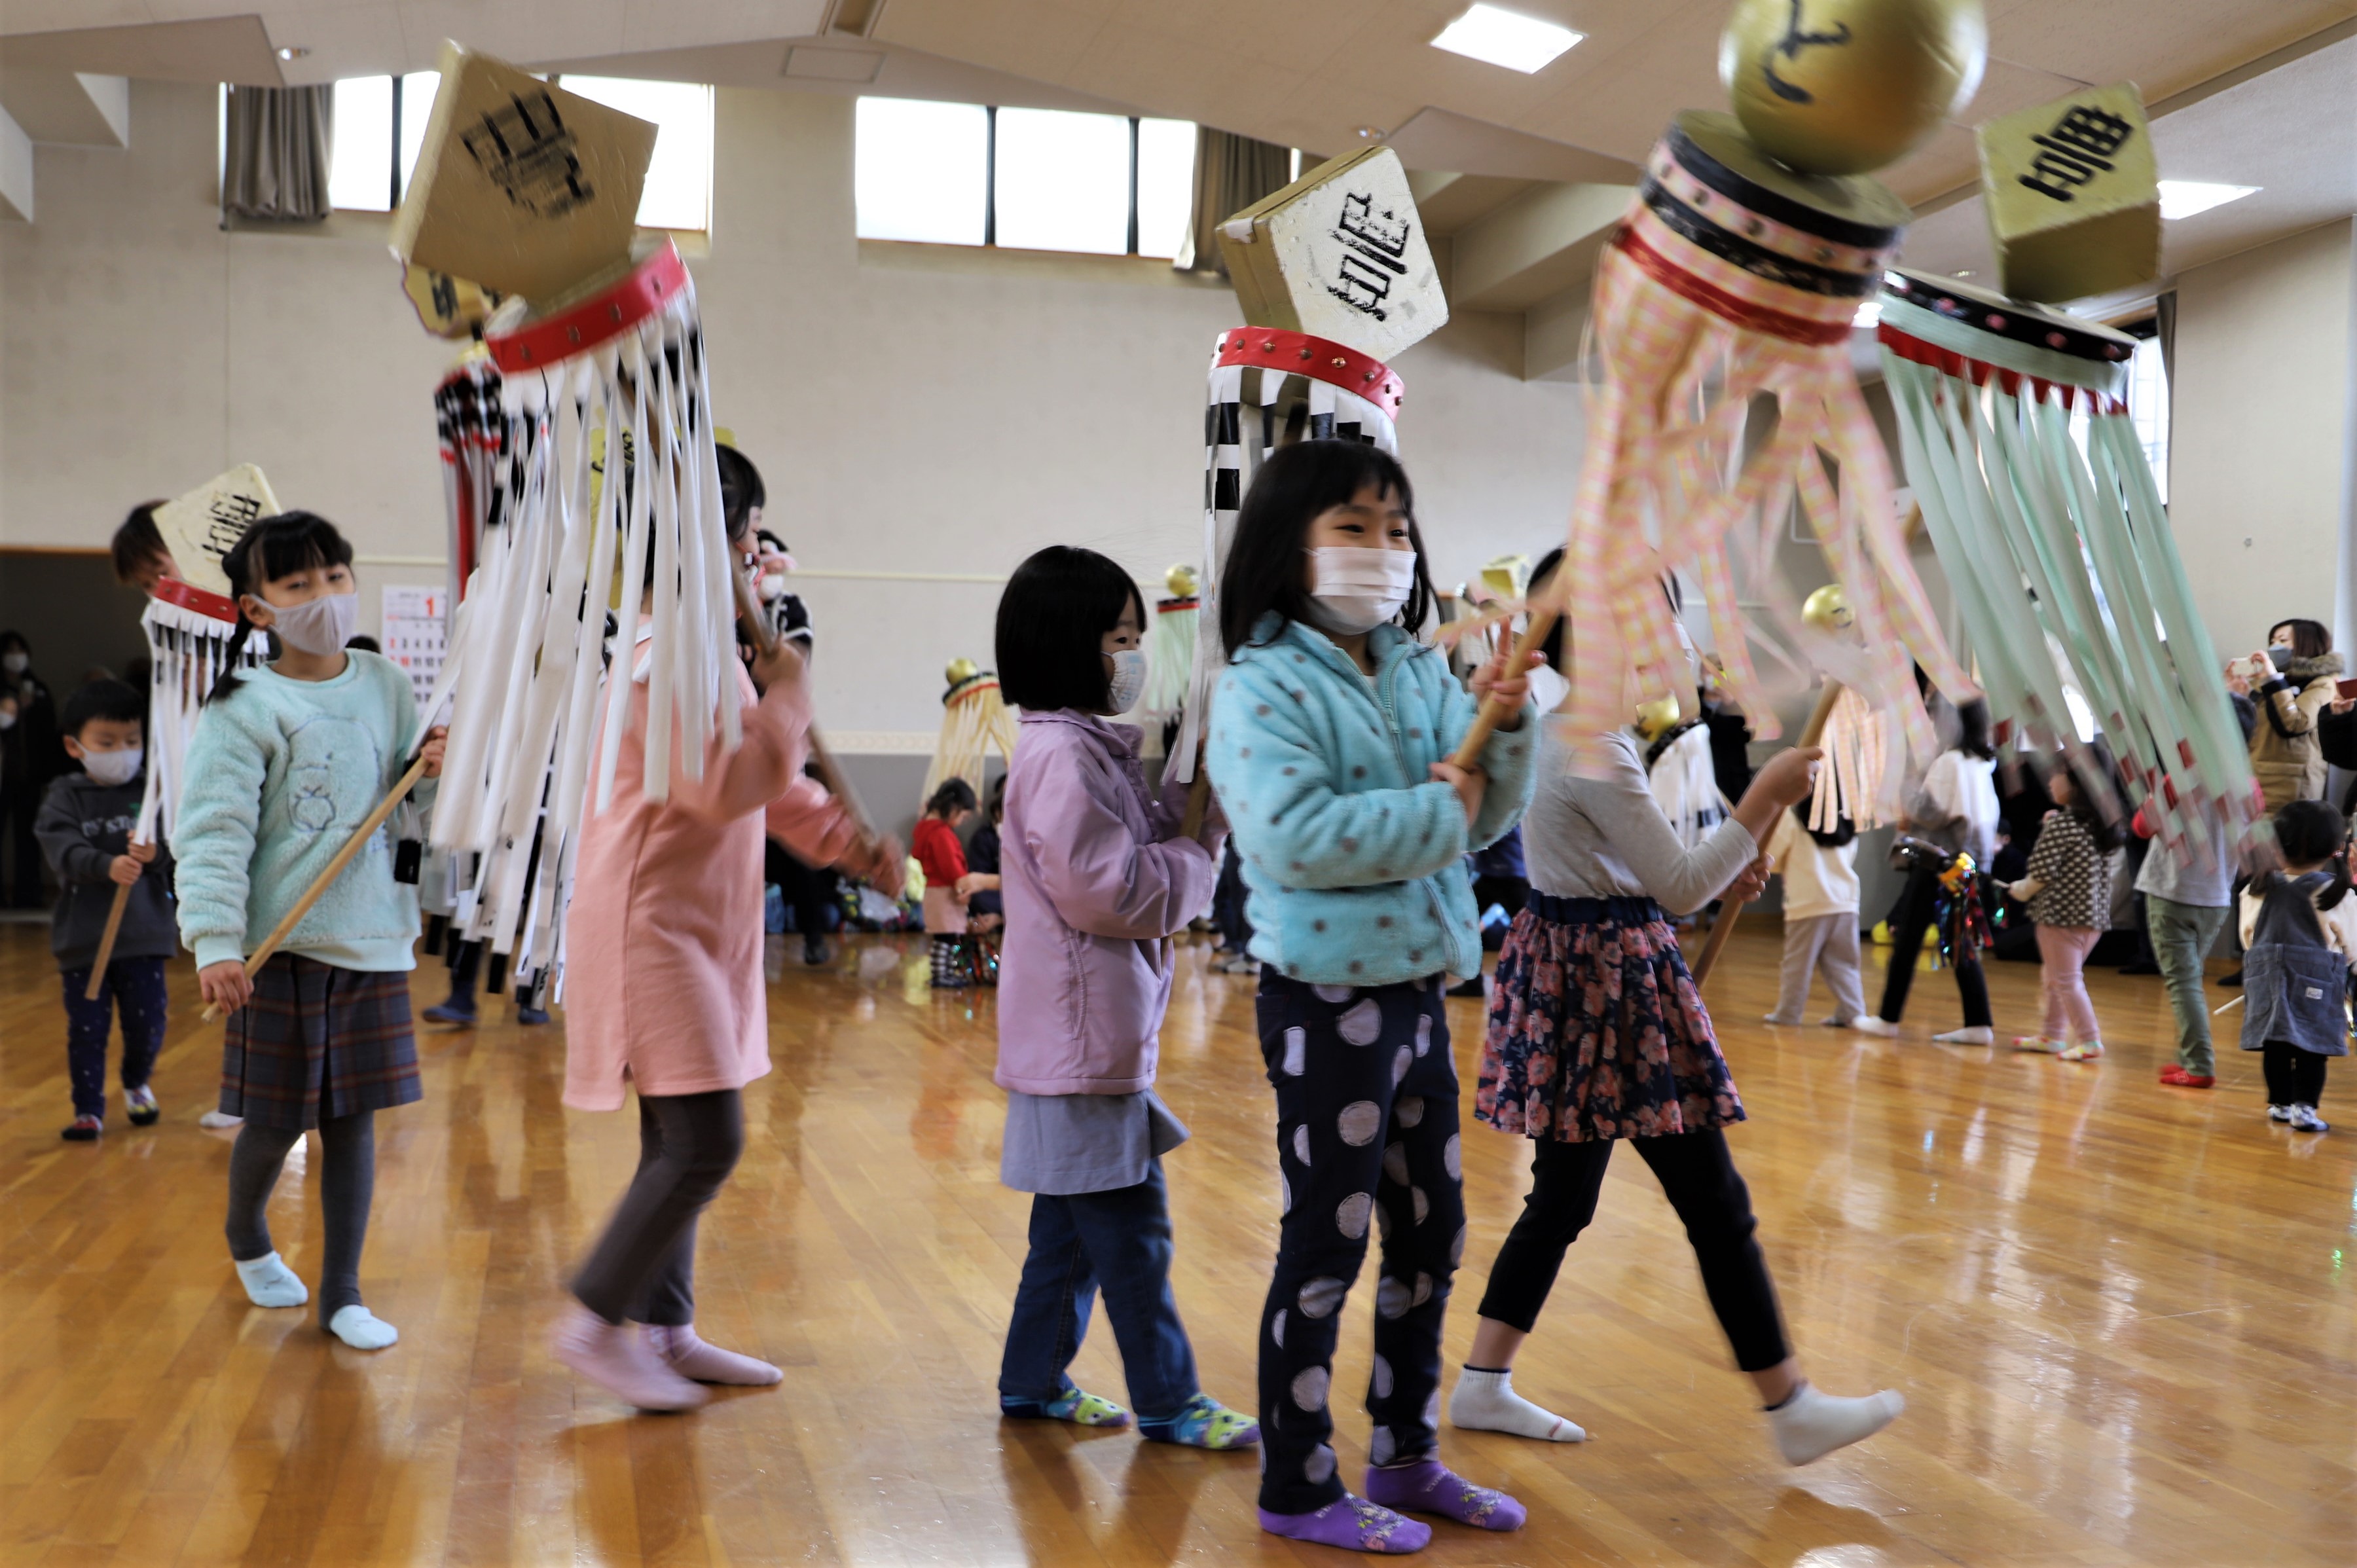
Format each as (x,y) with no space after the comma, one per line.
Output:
(1096,876)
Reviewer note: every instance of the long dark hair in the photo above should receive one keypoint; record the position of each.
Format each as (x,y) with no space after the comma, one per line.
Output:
(1293,484)
(2308,830)
(274,547)
(1973,735)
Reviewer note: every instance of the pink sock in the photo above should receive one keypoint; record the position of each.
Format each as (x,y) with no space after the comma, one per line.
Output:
(1353,1524)
(609,1354)
(1431,1487)
(690,1357)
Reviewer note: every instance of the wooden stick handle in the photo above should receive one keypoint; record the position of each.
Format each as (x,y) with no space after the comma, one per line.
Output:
(1493,711)
(326,879)
(1724,927)
(106,943)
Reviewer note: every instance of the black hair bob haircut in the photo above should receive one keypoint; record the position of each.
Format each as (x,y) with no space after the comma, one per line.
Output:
(274,547)
(137,543)
(954,795)
(1051,624)
(740,491)
(115,700)
(1973,733)
(2307,831)
(1265,569)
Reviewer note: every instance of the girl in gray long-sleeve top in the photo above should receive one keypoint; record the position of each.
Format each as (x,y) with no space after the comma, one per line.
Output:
(1598,1034)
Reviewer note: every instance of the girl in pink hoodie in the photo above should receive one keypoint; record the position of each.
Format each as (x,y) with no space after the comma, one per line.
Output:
(1096,876)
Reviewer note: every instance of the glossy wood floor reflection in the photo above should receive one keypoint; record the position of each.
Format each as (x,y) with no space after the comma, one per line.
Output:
(2125,1318)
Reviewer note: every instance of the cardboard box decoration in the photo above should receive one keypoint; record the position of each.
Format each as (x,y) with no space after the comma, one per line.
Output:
(447,307)
(1340,254)
(2074,196)
(521,187)
(204,525)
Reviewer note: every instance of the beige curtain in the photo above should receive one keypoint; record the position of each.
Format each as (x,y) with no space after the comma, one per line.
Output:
(1231,172)
(276,157)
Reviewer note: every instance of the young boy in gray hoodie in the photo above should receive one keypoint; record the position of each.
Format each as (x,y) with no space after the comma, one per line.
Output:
(85,827)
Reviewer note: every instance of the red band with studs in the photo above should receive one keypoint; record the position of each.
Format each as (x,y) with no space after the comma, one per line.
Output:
(1267,348)
(188,596)
(603,317)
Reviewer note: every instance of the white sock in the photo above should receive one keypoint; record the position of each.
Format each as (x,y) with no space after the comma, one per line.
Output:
(217,1119)
(1970,1034)
(361,1329)
(1810,1424)
(1486,1401)
(270,1283)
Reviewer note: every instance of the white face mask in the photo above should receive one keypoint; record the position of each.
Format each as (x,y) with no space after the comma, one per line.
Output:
(1354,590)
(320,627)
(1130,668)
(14,663)
(112,767)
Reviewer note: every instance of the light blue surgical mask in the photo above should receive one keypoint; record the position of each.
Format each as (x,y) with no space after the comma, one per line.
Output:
(1130,668)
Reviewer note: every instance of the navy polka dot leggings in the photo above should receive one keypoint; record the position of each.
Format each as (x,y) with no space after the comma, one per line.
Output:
(1367,1139)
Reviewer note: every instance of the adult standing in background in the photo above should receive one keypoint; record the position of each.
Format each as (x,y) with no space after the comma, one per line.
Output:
(30,755)
(2336,737)
(2292,680)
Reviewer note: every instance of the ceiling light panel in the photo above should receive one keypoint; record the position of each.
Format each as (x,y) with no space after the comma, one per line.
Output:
(1506,37)
(2184,198)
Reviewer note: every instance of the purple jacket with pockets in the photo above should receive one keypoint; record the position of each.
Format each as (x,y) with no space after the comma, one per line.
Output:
(1096,879)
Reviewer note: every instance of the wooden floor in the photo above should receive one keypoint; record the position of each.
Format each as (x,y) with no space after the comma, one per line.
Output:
(2125,1318)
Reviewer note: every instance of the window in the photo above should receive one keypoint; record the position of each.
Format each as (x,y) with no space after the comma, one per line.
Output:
(381,126)
(2149,409)
(1038,179)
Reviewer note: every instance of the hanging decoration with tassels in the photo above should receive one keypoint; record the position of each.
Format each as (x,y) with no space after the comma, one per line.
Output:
(1170,653)
(974,718)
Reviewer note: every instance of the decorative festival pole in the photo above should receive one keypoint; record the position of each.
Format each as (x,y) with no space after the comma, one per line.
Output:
(1335,276)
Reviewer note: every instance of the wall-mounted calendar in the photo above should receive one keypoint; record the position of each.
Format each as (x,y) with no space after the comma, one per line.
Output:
(416,633)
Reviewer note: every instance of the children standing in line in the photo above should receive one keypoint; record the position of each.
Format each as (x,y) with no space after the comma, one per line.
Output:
(1097,877)
(943,859)
(1820,872)
(2069,891)
(85,827)
(1330,736)
(2299,936)
(1597,1035)
(286,761)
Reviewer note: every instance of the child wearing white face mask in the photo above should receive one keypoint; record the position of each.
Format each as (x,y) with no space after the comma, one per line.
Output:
(1329,741)
(85,828)
(286,762)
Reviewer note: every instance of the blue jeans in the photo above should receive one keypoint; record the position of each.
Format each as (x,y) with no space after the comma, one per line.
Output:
(1119,1242)
(134,988)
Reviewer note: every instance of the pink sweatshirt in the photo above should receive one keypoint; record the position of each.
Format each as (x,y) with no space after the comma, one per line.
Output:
(663,974)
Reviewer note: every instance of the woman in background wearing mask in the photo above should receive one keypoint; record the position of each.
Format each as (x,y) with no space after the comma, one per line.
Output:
(30,755)
(1331,740)
(1096,876)
(2291,680)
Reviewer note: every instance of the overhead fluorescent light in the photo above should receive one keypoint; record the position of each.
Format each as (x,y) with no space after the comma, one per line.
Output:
(2184,198)
(1506,37)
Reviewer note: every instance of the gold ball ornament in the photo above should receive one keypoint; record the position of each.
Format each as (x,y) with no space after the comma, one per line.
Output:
(961,671)
(1841,87)
(1828,609)
(1655,718)
(1182,581)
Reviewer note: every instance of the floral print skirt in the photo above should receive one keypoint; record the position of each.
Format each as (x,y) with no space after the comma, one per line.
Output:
(1596,1028)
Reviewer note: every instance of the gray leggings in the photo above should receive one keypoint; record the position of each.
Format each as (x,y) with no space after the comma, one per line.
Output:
(347,1184)
(642,1270)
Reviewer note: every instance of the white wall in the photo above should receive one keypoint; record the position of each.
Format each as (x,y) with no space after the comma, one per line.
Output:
(2259,433)
(912,408)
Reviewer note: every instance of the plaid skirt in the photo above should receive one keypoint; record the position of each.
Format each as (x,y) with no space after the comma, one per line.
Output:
(1596,1028)
(316,1042)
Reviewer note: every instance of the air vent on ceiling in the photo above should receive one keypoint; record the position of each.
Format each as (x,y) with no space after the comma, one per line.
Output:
(857,17)
(808,64)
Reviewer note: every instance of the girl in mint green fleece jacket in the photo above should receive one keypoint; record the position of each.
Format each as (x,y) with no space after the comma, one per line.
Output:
(1330,738)
(286,761)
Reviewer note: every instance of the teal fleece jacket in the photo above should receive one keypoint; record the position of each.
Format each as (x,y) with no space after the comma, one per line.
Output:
(278,776)
(1353,854)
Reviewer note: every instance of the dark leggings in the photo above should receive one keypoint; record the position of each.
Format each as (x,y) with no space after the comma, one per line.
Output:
(1909,922)
(1699,1177)
(642,1270)
(347,1184)
(2295,1076)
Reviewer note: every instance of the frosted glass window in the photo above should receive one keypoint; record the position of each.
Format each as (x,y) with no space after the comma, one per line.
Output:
(359,170)
(921,170)
(678,192)
(2148,402)
(1063,182)
(1166,185)
(417,90)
